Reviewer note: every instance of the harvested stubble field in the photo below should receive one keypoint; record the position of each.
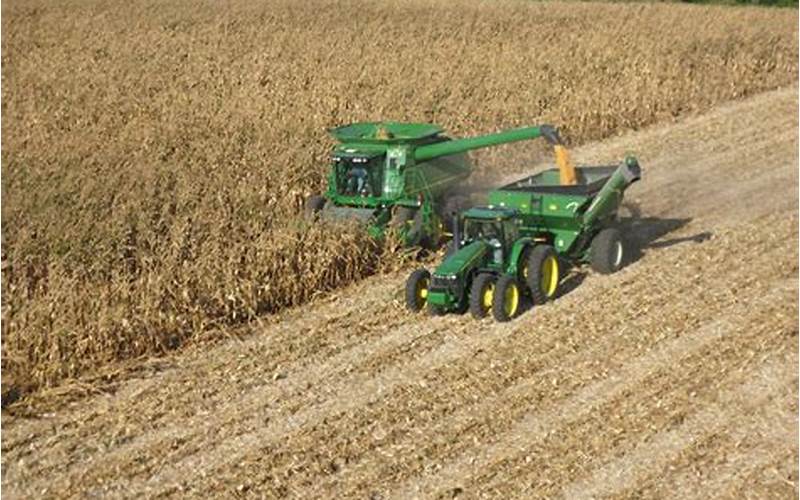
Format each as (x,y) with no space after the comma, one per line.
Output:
(155,156)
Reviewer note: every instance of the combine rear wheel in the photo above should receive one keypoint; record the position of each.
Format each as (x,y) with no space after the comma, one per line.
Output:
(607,251)
(481,295)
(506,299)
(313,206)
(542,273)
(402,217)
(408,223)
(417,287)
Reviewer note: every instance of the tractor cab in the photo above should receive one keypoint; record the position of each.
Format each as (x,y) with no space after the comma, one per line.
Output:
(494,225)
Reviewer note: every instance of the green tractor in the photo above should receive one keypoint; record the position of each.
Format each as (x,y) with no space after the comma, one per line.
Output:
(515,247)
(402,176)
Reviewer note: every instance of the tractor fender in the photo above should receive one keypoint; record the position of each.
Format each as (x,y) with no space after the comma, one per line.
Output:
(517,251)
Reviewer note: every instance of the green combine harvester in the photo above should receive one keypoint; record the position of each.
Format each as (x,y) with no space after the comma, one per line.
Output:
(515,246)
(403,176)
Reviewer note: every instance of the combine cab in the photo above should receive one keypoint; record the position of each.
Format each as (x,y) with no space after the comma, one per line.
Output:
(402,175)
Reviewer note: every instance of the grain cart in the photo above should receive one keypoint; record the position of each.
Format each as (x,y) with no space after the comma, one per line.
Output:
(515,246)
(402,175)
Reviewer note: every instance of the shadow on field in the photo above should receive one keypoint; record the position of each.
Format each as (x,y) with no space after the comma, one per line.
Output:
(640,233)
(646,232)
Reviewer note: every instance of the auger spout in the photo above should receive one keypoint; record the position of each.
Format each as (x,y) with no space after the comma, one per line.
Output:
(610,194)
(428,152)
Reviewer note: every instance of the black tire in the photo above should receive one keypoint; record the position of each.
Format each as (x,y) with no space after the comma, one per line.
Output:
(507,298)
(481,285)
(314,206)
(417,287)
(607,252)
(542,273)
(401,217)
(408,223)
(461,307)
(427,239)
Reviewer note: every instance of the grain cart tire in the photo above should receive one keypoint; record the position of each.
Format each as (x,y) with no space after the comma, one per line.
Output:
(507,298)
(417,287)
(542,273)
(607,252)
(481,294)
(314,206)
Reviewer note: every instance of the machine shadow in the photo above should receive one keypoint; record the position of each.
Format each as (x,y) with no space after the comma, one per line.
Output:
(641,233)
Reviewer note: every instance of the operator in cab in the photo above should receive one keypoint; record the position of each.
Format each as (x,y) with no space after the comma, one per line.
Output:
(356,179)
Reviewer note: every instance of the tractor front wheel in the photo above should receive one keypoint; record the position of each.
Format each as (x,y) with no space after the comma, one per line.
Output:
(481,295)
(314,205)
(607,251)
(417,287)
(542,273)
(506,299)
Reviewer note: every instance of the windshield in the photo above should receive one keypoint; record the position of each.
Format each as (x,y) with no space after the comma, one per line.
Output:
(358,176)
(483,229)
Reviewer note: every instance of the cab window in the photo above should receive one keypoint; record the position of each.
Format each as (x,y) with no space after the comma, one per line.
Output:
(482,229)
(358,176)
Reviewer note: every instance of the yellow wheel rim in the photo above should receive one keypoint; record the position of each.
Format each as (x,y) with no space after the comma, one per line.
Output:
(525,271)
(488,296)
(549,280)
(511,301)
(422,291)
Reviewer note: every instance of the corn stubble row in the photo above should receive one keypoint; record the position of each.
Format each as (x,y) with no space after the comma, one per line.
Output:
(156,154)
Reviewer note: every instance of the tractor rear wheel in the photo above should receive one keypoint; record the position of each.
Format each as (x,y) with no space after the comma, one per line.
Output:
(506,299)
(417,287)
(607,251)
(481,294)
(314,205)
(542,273)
